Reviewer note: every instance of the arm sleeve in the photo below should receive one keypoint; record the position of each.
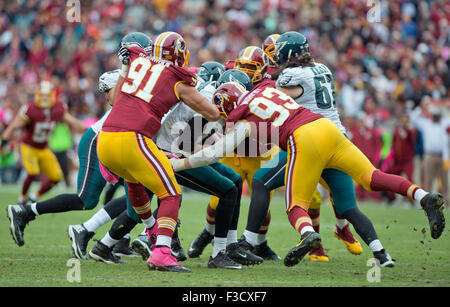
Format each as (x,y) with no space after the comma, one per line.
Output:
(213,153)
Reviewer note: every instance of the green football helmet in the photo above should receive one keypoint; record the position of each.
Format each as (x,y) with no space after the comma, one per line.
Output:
(235,75)
(211,71)
(288,45)
(137,39)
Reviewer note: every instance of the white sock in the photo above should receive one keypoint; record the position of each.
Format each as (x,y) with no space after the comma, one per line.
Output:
(261,238)
(34,196)
(108,241)
(150,222)
(219,244)
(341,223)
(143,231)
(251,237)
(162,240)
(375,246)
(33,208)
(100,218)
(211,228)
(419,194)
(307,228)
(231,236)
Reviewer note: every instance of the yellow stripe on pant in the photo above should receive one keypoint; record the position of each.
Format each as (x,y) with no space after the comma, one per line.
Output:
(313,147)
(136,158)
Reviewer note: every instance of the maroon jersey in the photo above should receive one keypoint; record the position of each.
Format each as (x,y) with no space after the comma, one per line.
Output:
(271,111)
(403,144)
(146,94)
(40,123)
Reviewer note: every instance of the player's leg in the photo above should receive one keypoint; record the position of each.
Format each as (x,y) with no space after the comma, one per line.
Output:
(49,166)
(300,187)
(265,180)
(31,165)
(352,161)
(207,234)
(316,254)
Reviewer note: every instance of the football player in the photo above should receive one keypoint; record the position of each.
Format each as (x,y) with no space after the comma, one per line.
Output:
(305,136)
(38,118)
(244,162)
(272,175)
(268,46)
(90,182)
(151,86)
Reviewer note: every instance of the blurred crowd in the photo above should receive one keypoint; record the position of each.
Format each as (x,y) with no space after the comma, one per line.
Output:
(386,55)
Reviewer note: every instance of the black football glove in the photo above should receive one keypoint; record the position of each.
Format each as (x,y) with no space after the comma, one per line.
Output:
(124,56)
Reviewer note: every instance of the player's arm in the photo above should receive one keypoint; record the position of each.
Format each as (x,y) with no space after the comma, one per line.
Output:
(115,90)
(74,123)
(192,98)
(18,122)
(292,91)
(215,152)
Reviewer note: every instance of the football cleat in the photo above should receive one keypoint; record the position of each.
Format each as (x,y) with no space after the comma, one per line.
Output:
(80,237)
(123,249)
(101,252)
(242,255)
(384,259)
(317,254)
(18,216)
(309,240)
(264,251)
(346,236)
(433,205)
(198,245)
(162,260)
(142,246)
(222,261)
(177,250)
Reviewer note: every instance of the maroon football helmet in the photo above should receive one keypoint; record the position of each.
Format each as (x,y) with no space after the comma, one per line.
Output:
(227,96)
(170,46)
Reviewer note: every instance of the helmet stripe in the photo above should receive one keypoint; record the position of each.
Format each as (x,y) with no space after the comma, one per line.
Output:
(248,52)
(159,43)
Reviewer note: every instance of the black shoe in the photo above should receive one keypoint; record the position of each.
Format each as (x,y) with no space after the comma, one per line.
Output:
(177,250)
(264,251)
(142,246)
(242,255)
(222,261)
(433,205)
(308,241)
(103,253)
(198,245)
(123,249)
(384,259)
(80,237)
(19,216)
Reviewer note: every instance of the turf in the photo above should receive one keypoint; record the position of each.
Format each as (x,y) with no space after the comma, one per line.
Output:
(43,260)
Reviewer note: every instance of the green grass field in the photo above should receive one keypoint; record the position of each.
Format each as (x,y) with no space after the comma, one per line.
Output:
(42,261)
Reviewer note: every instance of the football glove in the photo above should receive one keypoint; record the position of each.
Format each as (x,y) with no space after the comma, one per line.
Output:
(124,56)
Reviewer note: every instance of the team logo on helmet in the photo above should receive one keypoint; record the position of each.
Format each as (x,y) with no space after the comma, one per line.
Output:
(170,46)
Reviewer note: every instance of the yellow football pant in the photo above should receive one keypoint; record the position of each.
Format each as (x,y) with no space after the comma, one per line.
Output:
(137,159)
(313,147)
(36,160)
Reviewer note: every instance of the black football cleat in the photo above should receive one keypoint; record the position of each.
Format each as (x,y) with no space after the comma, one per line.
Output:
(308,241)
(80,237)
(222,261)
(198,245)
(18,216)
(242,255)
(433,205)
(142,246)
(384,260)
(264,251)
(177,250)
(101,252)
(123,249)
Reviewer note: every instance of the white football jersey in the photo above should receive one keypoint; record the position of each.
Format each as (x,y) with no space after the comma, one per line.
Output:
(97,127)
(175,122)
(318,90)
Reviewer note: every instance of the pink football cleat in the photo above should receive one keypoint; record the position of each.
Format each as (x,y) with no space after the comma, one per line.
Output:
(162,260)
